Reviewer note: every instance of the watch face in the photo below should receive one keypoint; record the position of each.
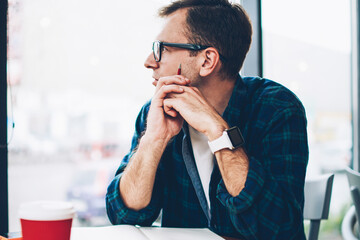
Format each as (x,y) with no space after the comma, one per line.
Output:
(235,136)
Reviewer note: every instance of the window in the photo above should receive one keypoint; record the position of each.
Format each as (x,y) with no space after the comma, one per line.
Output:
(307,48)
(77,82)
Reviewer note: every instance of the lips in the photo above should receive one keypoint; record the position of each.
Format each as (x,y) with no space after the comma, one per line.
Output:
(155,81)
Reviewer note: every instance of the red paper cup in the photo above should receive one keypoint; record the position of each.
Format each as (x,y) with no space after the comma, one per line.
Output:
(46,220)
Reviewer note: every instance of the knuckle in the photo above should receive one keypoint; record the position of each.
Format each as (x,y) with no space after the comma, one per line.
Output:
(163,80)
(195,89)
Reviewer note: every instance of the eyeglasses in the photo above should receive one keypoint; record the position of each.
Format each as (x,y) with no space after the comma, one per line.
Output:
(158,45)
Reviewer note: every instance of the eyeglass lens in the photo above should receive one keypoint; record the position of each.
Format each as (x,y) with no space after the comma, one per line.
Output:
(156,51)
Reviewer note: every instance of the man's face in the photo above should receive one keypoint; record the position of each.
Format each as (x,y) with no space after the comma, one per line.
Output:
(173,32)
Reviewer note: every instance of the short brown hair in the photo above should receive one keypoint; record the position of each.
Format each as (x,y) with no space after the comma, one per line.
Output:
(219,24)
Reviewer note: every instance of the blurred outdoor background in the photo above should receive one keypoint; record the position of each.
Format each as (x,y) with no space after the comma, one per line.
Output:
(77,82)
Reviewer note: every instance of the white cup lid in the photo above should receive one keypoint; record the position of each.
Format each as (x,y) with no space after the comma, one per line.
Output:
(46,210)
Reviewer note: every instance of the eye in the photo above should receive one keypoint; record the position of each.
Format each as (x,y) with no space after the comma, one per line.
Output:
(163,48)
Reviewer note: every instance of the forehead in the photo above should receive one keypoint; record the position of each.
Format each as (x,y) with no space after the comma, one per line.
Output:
(174,28)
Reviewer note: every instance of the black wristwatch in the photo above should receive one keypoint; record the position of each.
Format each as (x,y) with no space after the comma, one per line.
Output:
(231,138)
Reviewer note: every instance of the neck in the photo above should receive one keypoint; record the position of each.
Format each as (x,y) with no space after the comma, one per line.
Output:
(218,92)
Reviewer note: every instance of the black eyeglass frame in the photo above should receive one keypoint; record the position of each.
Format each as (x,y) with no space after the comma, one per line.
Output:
(188,46)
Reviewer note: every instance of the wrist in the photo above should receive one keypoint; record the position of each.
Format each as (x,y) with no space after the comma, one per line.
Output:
(150,150)
(154,141)
(216,130)
(231,139)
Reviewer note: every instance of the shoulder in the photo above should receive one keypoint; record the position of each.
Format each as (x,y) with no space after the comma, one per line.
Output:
(145,108)
(142,116)
(267,93)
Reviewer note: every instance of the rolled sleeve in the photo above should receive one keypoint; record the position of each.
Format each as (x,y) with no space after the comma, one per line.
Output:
(253,187)
(118,213)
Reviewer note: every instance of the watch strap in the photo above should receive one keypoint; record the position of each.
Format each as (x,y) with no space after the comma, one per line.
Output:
(220,143)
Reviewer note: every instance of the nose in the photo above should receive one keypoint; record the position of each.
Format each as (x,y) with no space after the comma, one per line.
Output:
(150,62)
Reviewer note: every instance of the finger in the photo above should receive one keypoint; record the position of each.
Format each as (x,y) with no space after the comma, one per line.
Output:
(190,92)
(168,89)
(172,80)
(195,89)
(168,107)
(171,112)
(175,79)
(186,89)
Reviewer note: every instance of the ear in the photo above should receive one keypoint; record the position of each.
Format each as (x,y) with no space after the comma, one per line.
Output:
(209,62)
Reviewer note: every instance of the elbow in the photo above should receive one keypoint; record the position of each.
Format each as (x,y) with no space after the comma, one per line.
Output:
(136,206)
(135,203)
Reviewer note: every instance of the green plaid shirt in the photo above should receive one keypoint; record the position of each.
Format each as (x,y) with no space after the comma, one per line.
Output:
(273,123)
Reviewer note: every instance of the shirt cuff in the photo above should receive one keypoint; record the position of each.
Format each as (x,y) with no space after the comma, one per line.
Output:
(253,186)
(117,211)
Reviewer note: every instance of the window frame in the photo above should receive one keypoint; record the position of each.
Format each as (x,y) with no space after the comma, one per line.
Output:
(253,65)
(4,210)
(355,83)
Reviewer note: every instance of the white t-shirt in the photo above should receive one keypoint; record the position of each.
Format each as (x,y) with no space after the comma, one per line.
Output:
(204,159)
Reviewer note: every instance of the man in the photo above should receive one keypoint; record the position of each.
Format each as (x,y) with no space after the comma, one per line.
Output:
(213,149)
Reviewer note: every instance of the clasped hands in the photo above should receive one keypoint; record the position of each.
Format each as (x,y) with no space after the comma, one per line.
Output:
(174,101)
